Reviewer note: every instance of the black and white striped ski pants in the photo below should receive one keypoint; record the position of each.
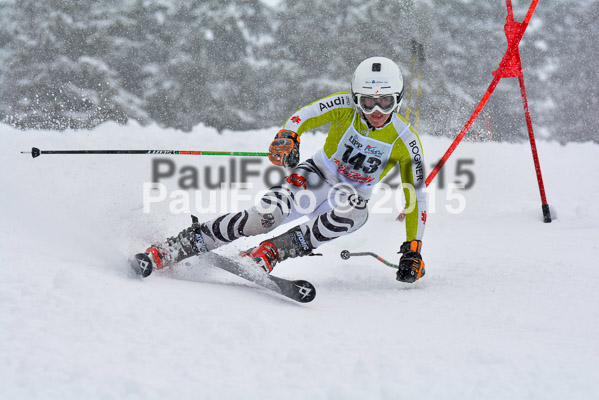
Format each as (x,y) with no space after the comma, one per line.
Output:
(333,210)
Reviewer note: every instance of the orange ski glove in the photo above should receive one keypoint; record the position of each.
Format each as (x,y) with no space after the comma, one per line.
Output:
(284,149)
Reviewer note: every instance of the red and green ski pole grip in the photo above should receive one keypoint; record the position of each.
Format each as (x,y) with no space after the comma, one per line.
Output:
(345,254)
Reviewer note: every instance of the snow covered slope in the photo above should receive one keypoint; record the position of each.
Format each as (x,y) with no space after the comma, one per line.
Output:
(508,307)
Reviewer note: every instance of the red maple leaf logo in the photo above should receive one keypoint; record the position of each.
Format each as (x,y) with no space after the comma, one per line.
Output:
(297,180)
(424,217)
(296,119)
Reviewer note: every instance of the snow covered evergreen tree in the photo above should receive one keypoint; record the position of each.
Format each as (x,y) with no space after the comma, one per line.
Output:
(242,64)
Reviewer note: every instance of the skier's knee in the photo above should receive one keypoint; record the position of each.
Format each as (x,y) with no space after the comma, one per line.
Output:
(261,221)
(355,210)
(278,200)
(270,211)
(342,220)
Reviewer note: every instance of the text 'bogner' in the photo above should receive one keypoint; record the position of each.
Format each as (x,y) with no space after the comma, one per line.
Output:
(416,160)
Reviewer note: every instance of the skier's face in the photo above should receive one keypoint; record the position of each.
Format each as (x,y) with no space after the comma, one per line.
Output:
(377,118)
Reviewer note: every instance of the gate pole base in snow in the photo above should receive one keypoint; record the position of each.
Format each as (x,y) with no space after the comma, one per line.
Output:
(546,213)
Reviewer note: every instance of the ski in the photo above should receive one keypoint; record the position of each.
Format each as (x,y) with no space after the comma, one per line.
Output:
(141,264)
(298,290)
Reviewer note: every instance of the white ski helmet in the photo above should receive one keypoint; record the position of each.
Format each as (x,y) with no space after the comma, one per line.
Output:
(377,84)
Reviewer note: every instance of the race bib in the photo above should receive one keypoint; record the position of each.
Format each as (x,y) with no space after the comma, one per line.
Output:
(360,159)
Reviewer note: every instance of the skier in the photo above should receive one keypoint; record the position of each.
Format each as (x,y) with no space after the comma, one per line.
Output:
(366,139)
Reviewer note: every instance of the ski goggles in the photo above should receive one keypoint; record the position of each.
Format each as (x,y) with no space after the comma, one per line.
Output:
(384,103)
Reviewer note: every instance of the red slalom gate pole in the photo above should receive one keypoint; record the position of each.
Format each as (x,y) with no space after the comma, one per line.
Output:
(514,70)
(535,155)
(510,66)
(505,62)
(464,130)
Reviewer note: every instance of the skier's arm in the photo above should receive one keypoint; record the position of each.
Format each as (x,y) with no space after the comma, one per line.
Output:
(412,176)
(284,149)
(411,265)
(416,206)
(318,113)
(411,162)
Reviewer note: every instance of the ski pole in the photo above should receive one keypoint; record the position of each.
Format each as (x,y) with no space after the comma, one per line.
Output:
(345,254)
(35,152)
(414,51)
(419,92)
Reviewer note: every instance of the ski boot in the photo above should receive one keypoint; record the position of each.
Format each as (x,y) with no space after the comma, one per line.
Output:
(187,243)
(291,244)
